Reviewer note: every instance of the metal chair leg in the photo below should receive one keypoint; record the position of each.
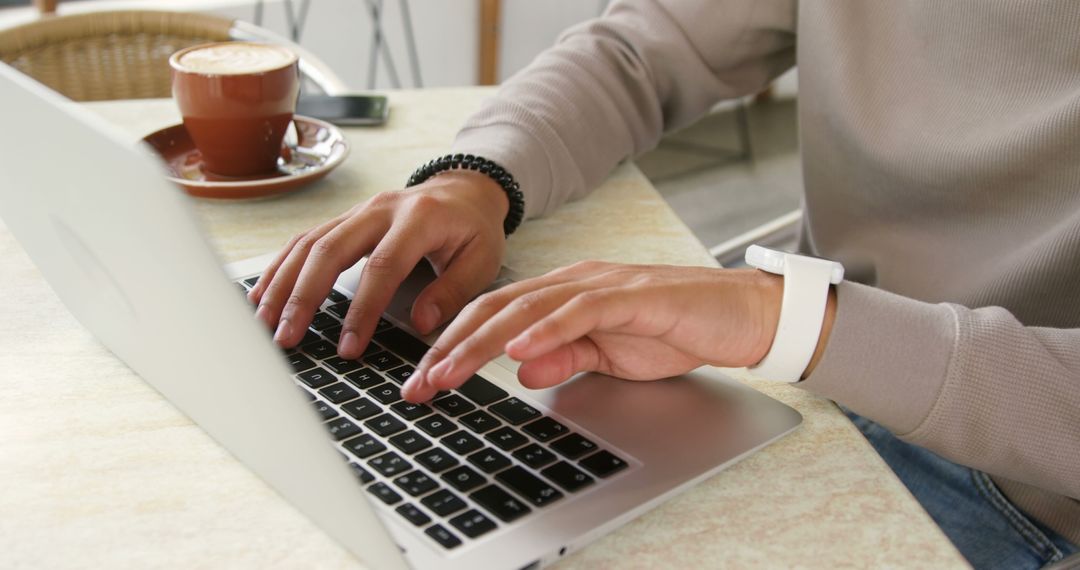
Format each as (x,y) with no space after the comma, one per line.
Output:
(410,43)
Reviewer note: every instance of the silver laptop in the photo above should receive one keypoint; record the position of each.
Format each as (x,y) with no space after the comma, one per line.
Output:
(488,476)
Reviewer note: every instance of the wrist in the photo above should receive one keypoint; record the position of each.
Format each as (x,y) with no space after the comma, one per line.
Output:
(515,213)
(826,331)
(481,191)
(801,326)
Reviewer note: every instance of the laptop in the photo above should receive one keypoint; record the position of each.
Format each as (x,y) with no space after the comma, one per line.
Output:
(487,476)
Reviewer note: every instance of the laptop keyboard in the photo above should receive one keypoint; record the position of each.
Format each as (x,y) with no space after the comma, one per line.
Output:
(473,460)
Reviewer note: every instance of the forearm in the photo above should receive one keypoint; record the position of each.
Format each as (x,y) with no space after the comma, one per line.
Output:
(610,87)
(975,386)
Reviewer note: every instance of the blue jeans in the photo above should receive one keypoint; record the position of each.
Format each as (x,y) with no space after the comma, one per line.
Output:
(985,527)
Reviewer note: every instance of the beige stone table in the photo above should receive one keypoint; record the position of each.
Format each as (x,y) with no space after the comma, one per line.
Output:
(98,471)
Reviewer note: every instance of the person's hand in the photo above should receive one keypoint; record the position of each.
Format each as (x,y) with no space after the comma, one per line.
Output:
(633,322)
(454,220)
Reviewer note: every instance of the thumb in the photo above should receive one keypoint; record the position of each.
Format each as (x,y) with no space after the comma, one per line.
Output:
(557,366)
(467,275)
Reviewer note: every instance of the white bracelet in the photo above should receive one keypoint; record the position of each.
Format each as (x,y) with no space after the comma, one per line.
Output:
(802,312)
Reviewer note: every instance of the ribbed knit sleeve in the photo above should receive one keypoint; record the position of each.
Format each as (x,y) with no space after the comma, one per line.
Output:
(973,385)
(610,87)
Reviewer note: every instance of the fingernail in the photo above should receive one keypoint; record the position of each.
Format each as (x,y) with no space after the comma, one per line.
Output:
(440,370)
(349,344)
(410,386)
(284,331)
(260,313)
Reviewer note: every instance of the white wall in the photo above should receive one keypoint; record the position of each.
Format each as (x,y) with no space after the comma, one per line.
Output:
(339,32)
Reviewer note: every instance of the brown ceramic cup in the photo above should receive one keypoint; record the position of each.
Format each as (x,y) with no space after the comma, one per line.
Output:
(237,99)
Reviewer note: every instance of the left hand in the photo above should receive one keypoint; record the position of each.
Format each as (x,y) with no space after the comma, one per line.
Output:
(631,321)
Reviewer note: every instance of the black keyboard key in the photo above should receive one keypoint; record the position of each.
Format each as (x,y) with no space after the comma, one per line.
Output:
(362,409)
(383,324)
(339,309)
(310,336)
(436,426)
(573,446)
(323,321)
(412,514)
(317,377)
(384,493)
(386,393)
(390,464)
(462,442)
(336,296)
(401,373)
(544,429)
(319,350)
(307,395)
(443,502)
(416,483)
(410,411)
(463,478)
(332,334)
(500,503)
(603,463)
(362,474)
(436,460)
(445,538)
(364,446)
(338,393)
(385,425)
(515,411)
(453,405)
(401,342)
(342,428)
(480,421)
(251,281)
(529,486)
(382,361)
(364,378)
(324,410)
(341,365)
(481,391)
(534,456)
(567,476)
(472,523)
(370,349)
(299,362)
(489,460)
(505,438)
(410,442)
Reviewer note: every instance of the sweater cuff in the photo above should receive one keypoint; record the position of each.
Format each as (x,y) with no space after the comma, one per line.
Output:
(517,151)
(887,357)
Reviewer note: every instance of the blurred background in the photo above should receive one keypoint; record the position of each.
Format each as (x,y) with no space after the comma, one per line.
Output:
(736,171)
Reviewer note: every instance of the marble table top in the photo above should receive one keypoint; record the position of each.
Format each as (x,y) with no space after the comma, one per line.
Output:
(98,470)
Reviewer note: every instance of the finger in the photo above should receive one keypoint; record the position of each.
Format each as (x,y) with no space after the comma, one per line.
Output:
(418,389)
(281,284)
(488,340)
(473,269)
(559,365)
(333,253)
(256,293)
(389,263)
(604,309)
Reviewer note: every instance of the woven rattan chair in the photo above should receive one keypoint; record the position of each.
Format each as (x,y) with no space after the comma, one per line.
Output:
(125,55)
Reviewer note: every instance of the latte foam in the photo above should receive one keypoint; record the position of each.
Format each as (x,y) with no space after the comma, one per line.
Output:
(235,58)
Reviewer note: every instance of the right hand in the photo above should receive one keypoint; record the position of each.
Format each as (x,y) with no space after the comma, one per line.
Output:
(454,220)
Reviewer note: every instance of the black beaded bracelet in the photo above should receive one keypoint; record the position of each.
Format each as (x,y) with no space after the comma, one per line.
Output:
(484,166)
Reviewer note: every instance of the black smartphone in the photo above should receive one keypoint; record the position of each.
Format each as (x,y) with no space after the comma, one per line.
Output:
(348,110)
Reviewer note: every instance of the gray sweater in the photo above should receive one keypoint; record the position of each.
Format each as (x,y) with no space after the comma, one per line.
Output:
(941,160)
